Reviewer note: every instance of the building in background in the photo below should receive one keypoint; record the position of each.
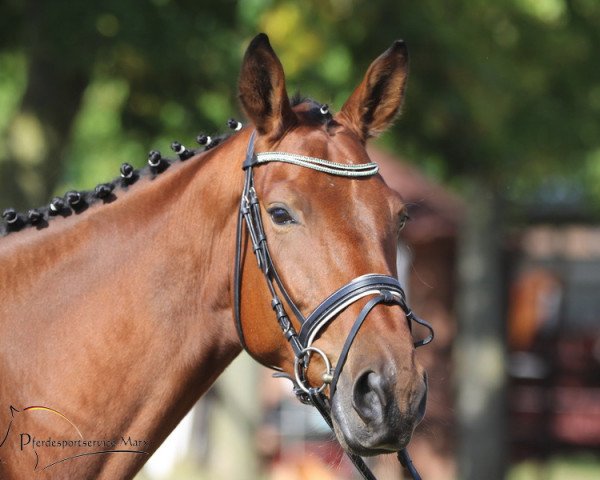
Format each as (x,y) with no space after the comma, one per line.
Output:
(554,340)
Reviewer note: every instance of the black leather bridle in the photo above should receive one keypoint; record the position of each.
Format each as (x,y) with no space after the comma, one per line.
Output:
(382,288)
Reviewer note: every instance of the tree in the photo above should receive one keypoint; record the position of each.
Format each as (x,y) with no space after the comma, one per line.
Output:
(503,98)
(163,77)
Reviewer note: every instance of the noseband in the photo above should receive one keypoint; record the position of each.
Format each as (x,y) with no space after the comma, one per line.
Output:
(383,289)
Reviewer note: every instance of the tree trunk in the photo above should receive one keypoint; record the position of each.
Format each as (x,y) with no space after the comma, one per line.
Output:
(38,134)
(480,347)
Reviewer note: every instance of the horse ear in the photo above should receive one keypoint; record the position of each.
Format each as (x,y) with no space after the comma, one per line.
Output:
(377,100)
(262,89)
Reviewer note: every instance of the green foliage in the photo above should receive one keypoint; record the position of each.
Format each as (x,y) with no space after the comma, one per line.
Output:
(12,81)
(507,92)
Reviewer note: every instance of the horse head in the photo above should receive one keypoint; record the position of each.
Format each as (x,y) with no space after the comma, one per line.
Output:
(328,229)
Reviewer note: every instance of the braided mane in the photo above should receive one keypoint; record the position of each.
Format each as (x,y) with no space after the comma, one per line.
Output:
(76,202)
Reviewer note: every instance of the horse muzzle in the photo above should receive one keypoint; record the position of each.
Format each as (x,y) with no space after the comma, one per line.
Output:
(372,415)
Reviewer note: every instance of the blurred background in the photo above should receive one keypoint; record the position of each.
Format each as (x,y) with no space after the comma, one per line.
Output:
(497,152)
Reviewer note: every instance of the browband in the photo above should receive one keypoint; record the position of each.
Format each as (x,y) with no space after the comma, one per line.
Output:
(318,164)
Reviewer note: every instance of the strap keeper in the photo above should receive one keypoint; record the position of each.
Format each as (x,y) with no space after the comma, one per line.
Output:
(252,197)
(250,162)
(387,296)
(278,308)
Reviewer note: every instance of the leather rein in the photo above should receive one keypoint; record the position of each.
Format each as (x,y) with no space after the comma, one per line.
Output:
(382,288)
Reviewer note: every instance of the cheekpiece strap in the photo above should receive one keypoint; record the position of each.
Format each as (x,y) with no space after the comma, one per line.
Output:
(250,159)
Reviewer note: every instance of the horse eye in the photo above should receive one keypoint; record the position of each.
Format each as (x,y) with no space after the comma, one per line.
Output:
(281,216)
(403,219)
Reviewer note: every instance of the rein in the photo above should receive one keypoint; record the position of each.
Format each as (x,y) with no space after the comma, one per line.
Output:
(387,290)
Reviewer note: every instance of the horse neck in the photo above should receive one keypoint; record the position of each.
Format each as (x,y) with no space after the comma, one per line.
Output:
(137,291)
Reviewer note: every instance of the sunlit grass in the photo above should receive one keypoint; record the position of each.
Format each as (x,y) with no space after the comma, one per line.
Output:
(575,467)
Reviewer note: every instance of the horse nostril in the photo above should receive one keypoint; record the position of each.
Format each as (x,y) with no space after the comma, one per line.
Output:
(369,396)
(423,401)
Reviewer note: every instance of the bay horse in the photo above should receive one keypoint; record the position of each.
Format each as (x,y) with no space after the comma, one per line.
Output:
(121,306)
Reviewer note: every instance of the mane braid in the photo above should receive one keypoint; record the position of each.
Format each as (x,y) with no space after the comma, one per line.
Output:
(315,113)
(77,202)
(298,99)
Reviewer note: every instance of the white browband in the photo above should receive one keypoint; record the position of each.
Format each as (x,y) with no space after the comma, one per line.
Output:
(325,166)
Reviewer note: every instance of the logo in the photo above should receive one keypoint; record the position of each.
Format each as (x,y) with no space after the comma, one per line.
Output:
(50,451)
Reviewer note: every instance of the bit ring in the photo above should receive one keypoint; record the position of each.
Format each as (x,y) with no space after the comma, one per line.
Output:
(300,368)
